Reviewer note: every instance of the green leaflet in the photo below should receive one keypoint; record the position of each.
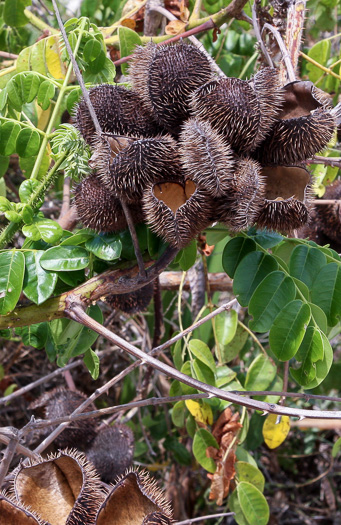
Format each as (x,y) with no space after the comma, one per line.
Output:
(253,504)
(310,351)
(261,373)
(203,439)
(12,267)
(234,252)
(249,274)
(129,39)
(326,292)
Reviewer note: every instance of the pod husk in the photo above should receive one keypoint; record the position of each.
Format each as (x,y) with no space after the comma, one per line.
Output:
(12,513)
(177,212)
(165,76)
(133,302)
(99,209)
(206,158)
(329,215)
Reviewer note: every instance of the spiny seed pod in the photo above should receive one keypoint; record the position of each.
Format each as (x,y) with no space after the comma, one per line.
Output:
(177,212)
(134,499)
(165,76)
(99,210)
(133,302)
(61,402)
(112,451)
(287,193)
(304,126)
(328,216)
(239,207)
(119,111)
(60,489)
(205,157)
(240,109)
(12,513)
(141,163)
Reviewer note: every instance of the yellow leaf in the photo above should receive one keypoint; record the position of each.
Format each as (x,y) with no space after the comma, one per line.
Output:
(54,65)
(201,413)
(43,117)
(128,22)
(273,434)
(175,27)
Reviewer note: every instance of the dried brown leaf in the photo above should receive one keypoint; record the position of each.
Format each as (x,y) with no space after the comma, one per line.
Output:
(175,27)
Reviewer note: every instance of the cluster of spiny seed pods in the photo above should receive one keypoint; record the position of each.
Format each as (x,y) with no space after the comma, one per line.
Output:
(184,148)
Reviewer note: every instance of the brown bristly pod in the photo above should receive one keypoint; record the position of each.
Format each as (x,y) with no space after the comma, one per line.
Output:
(206,158)
(135,499)
(303,128)
(141,163)
(119,111)
(112,451)
(13,513)
(287,194)
(177,211)
(61,402)
(239,108)
(240,206)
(62,488)
(326,218)
(99,209)
(133,302)
(165,76)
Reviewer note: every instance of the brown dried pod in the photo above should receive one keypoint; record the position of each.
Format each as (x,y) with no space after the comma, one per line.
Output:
(304,126)
(177,212)
(206,158)
(287,194)
(240,206)
(243,111)
(112,451)
(61,402)
(141,163)
(329,216)
(60,489)
(12,513)
(99,209)
(133,302)
(135,500)
(165,76)
(120,111)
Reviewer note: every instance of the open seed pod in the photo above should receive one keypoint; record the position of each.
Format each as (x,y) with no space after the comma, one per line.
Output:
(61,402)
(12,513)
(99,209)
(135,500)
(241,205)
(177,211)
(112,451)
(133,302)
(329,216)
(165,76)
(304,126)
(141,163)
(119,111)
(62,489)
(286,203)
(205,157)
(243,111)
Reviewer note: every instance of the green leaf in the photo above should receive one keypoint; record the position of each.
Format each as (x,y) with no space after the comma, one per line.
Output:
(128,41)
(91,361)
(12,267)
(105,247)
(323,366)
(30,87)
(202,352)
(78,238)
(336,447)
(244,455)
(28,143)
(14,15)
(187,369)
(320,52)
(188,257)
(38,284)
(235,250)
(319,317)
(203,439)
(269,298)
(251,474)
(13,89)
(9,132)
(231,350)
(203,373)
(180,452)
(34,335)
(45,229)
(73,99)
(91,50)
(4,163)
(72,278)
(253,504)
(288,329)
(267,239)
(45,94)
(326,292)
(3,99)
(62,258)
(250,272)
(260,374)
(310,351)
(235,507)
(179,413)
(27,188)
(225,325)
(305,263)
(177,355)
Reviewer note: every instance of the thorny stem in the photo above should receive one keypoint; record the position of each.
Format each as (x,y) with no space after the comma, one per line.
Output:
(324,202)
(284,51)
(259,36)
(8,455)
(134,238)
(75,311)
(19,448)
(300,395)
(327,161)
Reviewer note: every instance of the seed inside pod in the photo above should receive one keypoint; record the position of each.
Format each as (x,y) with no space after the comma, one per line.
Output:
(240,109)
(132,302)
(206,158)
(240,206)
(286,204)
(119,111)
(177,212)
(165,76)
(304,126)
(99,209)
